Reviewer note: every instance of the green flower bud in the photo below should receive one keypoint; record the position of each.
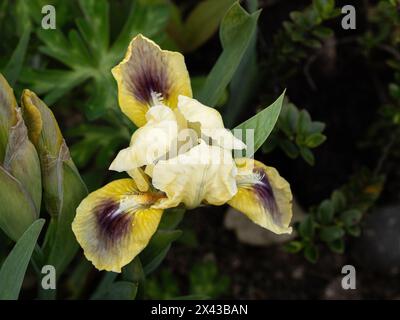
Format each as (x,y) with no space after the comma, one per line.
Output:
(20,177)
(62,184)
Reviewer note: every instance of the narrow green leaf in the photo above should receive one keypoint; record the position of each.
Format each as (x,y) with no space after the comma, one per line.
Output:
(146,17)
(262,123)
(65,246)
(158,248)
(242,85)
(107,280)
(14,65)
(97,21)
(119,290)
(134,273)
(203,21)
(171,218)
(236,31)
(14,267)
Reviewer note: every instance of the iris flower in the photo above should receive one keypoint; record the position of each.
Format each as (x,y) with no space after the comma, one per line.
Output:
(181,154)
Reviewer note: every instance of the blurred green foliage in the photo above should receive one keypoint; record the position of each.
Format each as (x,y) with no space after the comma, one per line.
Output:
(384,36)
(89,52)
(300,36)
(295,134)
(205,282)
(329,223)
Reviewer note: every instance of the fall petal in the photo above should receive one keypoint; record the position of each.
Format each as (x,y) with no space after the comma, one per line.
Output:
(263,196)
(115,223)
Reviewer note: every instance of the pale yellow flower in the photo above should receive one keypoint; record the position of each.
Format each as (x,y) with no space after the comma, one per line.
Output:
(180,154)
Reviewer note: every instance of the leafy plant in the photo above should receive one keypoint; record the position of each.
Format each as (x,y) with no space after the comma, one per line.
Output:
(89,53)
(296,134)
(329,223)
(204,282)
(300,37)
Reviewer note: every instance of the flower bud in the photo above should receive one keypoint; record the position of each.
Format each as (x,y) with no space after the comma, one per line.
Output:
(62,184)
(20,177)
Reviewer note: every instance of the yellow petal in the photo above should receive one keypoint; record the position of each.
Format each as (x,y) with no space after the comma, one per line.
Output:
(148,75)
(205,174)
(211,123)
(115,223)
(263,196)
(150,142)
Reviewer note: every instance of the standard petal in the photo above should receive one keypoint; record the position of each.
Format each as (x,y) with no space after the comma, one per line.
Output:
(211,123)
(115,223)
(150,142)
(263,196)
(148,75)
(205,174)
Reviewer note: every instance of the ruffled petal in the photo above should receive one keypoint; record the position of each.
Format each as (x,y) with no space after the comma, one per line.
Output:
(263,196)
(150,142)
(147,76)
(115,223)
(205,174)
(210,121)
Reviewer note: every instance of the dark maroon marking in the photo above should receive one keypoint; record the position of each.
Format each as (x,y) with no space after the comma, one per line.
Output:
(146,75)
(112,226)
(264,191)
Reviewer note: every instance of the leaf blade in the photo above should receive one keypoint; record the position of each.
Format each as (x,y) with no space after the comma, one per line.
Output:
(13,270)
(263,123)
(14,65)
(236,31)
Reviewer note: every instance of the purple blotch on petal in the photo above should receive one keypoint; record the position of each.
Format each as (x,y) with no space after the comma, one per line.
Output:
(265,193)
(112,223)
(146,75)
